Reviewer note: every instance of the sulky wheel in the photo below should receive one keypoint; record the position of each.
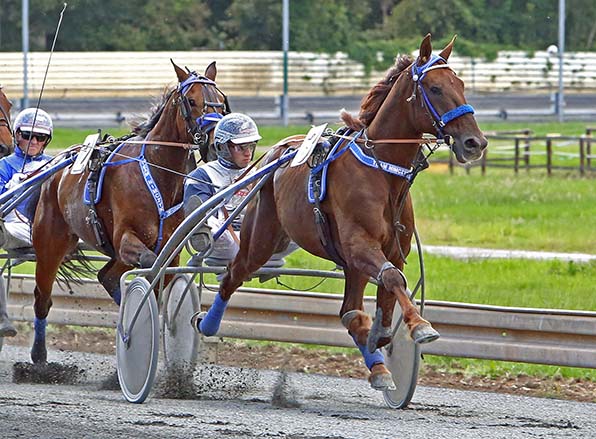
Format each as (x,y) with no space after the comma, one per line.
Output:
(180,340)
(402,358)
(137,342)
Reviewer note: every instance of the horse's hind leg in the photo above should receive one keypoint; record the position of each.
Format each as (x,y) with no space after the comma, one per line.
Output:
(358,324)
(51,244)
(134,252)
(261,235)
(109,277)
(110,274)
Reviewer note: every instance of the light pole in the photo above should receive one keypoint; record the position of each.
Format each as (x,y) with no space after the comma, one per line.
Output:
(25,40)
(560,98)
(285,47)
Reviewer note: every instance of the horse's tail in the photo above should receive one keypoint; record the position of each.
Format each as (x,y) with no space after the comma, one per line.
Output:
(75,267)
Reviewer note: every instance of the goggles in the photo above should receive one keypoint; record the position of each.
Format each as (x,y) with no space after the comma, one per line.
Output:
(27,135)
(250,146)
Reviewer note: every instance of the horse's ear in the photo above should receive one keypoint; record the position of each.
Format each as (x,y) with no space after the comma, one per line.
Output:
(211,71)
(426,50)
(448,48)
(180,73)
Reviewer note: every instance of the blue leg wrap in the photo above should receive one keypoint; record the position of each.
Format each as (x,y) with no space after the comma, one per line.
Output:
(370,359)
(117,296)
(210,323)
(40,328)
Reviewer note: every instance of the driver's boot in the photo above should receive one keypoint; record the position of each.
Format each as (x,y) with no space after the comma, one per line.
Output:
(201,240)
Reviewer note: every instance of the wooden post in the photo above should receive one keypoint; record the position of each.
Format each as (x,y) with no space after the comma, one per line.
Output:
(589,148)
(516,155)
(582,156)
(483,162)
(527,150)
(549,155)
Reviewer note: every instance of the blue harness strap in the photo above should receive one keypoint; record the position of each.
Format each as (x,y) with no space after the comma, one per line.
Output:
(366,160)
(369,161)
(157,198)
(322,169)
(87,194)
(149,182)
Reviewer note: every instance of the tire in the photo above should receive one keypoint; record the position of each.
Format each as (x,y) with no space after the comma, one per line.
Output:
(137,347)
(180,339)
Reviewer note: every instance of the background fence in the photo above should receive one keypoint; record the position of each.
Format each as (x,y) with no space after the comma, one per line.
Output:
(244,73)
(522,150)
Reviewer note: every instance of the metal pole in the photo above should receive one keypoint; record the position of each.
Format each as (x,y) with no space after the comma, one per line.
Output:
(560,98)
(25,40)
(285,48)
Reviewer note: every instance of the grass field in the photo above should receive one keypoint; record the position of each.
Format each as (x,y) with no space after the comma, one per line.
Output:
(500,210)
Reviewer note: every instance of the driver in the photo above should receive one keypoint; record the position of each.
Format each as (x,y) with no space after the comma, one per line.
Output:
(235,139)
(33,131)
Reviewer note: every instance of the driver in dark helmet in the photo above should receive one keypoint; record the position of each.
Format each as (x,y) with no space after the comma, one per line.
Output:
(33,129)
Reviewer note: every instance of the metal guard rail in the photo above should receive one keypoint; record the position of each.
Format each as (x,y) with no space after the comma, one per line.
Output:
(544,336)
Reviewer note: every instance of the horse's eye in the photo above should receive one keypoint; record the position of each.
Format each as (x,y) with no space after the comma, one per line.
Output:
(192,102)
(436,90)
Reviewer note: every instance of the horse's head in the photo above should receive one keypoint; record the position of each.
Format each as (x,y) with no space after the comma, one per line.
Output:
(201,105)
(441,108)
(6,139)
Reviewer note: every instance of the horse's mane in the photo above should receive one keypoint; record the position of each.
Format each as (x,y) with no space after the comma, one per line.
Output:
(372,101)
(142,127)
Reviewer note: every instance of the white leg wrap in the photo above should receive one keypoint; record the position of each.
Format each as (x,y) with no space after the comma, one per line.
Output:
(347,318)
(389,266)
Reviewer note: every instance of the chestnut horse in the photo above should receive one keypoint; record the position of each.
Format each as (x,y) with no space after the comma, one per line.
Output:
(142,194)
(367,206)
(6,139)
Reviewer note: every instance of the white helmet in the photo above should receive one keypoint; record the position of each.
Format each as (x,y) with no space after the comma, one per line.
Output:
(43,122)
(237,128)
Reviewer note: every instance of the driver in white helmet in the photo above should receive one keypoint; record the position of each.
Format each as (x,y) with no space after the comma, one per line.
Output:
(235,139)
(33,129)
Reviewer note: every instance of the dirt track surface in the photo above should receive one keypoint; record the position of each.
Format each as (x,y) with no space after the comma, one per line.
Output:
(320,361)
(230,402)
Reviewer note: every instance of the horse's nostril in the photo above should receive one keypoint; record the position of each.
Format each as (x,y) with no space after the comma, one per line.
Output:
(472,143)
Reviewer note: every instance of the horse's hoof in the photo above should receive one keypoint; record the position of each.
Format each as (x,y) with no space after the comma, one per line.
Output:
(39,354)
(382,382)
(7,329)
(424,333)
(196,318)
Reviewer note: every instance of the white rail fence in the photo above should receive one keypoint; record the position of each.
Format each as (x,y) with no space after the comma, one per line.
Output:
(557,337)
(244,73)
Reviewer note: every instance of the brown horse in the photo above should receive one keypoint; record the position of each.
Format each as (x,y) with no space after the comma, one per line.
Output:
(139,205)
(6,139)
(368,210)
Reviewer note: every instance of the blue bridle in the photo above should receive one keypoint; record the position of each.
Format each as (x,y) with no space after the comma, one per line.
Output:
(418,74)
(201,126)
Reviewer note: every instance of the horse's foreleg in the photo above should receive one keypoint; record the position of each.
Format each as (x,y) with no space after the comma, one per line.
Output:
(358,324)
(260,234)
(394,281)
(375,264)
